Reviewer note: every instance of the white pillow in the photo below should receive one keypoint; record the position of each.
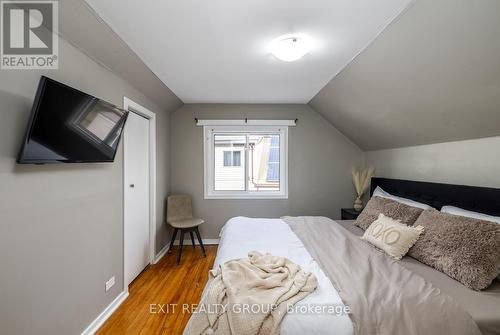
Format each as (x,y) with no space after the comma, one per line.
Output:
(392,236)
(470,214)
(383,194)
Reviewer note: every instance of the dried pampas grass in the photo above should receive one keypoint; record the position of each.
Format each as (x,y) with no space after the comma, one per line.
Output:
(361,179)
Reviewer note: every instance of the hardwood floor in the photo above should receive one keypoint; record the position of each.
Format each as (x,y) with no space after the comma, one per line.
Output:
(149,309)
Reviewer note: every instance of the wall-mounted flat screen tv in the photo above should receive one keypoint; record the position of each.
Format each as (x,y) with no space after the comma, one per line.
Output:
(69,126)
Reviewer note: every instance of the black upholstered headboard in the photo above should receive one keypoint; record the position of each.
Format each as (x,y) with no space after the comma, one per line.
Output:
(479,199)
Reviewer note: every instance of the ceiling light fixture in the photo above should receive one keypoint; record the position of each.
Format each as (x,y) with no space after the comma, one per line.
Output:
(289,48)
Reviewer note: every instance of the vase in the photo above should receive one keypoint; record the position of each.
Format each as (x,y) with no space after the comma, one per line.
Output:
(358,204)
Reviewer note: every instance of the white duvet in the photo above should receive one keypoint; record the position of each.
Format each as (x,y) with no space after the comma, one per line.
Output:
(241,235)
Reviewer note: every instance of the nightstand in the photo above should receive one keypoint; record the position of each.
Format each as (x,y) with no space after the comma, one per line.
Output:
(349,214)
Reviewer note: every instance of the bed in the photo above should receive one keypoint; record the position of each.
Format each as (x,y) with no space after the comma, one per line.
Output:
(241,235)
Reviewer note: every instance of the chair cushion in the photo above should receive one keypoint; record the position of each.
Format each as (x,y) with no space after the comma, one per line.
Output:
(179,208)
(186,223)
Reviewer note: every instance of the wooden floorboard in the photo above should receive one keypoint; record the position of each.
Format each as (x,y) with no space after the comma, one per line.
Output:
(164,283)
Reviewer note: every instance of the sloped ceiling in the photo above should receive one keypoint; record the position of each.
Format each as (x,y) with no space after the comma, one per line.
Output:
(82,27)
(432,76)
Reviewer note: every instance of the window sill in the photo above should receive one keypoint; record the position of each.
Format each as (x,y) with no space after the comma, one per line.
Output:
(246,197)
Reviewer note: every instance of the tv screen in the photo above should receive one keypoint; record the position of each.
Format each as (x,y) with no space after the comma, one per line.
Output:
(69,126)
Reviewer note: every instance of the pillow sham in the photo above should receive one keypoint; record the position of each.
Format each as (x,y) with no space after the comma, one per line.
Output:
(465,249)
(470,214)
(392,236)
(379,192)
(393,209)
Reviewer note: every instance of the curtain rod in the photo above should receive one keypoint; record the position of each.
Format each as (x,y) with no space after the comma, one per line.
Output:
(245,121)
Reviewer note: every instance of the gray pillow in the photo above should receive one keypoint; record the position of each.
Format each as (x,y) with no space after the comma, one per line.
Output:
(390,208)
(465,249)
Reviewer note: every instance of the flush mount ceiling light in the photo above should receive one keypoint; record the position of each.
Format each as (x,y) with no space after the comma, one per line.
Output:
(289,48)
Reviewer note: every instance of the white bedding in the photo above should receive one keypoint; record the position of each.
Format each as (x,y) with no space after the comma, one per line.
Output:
(241,235)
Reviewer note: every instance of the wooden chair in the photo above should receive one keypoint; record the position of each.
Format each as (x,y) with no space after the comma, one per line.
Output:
(180,217)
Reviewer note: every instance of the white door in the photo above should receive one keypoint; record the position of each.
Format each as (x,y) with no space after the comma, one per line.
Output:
(136,201)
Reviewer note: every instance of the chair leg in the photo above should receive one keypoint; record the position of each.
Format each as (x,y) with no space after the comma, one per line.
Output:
(181,242)
(192,238)
(201,242)
(172,241)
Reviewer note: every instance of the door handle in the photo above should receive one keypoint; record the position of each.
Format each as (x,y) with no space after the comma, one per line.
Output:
(132,185)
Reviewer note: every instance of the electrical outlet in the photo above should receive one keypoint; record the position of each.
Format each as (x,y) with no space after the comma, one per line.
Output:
(110,283)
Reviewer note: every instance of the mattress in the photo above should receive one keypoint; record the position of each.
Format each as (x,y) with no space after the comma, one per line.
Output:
(241,235)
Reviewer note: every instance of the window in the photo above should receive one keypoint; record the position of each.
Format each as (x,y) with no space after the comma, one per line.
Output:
(232,158)
(246,162)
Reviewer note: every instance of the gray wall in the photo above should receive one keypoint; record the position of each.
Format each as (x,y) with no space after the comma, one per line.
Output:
(472,162)
(320,161)
(432,76)
(61,225)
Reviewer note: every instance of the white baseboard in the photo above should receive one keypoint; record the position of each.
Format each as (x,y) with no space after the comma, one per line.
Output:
(99,321)
(162,253)
(187,242)
(206,241)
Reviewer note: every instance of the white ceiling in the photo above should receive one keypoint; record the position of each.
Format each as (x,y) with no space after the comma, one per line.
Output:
(217,51)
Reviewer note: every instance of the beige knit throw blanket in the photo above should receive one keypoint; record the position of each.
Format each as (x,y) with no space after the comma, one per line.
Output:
(250,296)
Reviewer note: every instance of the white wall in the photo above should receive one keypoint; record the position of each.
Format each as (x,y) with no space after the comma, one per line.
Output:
(471,162)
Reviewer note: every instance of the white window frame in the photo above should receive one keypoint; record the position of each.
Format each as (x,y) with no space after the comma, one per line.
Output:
(209,167)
